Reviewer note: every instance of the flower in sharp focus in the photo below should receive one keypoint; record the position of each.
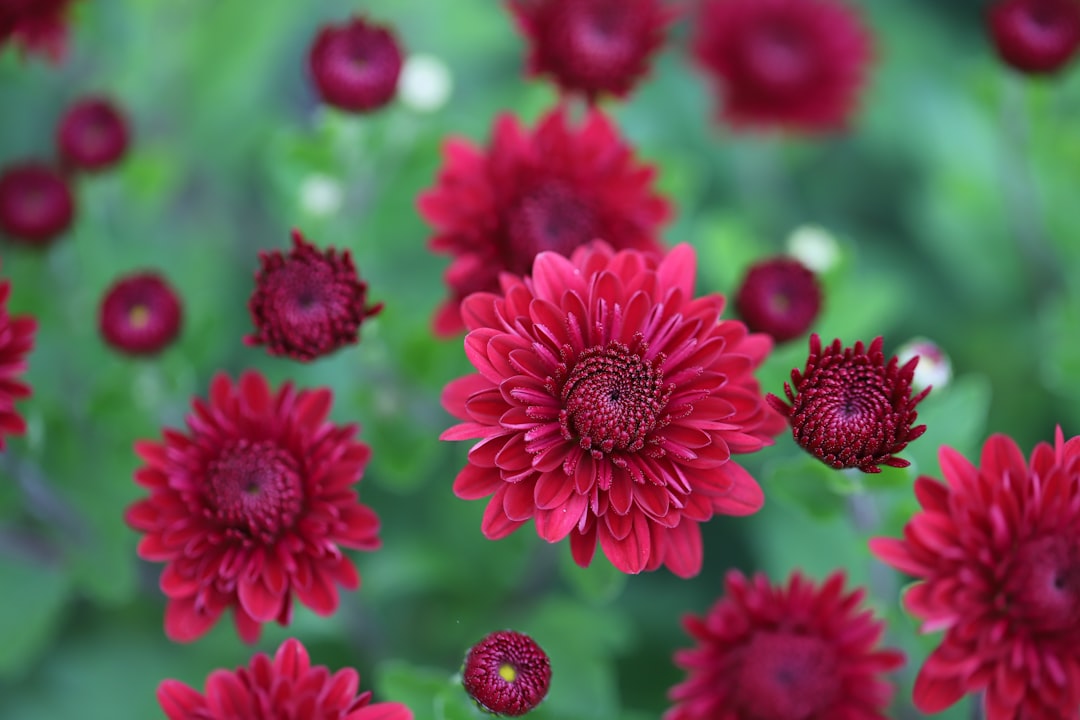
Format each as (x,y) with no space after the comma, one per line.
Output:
(252,506)
(556,188)
(92,135)
(592,47)
(789,64)
(308,303)
(780,297)
(778,653)
(851,409)
(140,314)
(37,26)
(507,673)
(996,550)
(355,65)
(36,203)
(16,342)
(1037,37)
(285,687)
(608,404)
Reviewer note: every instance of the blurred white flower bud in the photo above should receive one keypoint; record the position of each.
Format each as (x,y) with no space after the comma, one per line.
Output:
(814,247)
(320,195)
(934,366)
(425,83)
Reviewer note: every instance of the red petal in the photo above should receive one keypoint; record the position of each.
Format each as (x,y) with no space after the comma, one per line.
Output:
(258,601)
(179,701)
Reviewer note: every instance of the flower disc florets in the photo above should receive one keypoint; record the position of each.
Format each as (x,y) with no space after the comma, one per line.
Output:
(780,297)
(36,203)
(507,673)
(355,65)
(93,135)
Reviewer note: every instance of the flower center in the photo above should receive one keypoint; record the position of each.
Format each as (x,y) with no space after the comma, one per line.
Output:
(508,672)
(849,411)
(549,217)
(785,676)
(255,489)
(613,399)
(139,316)
(1044,589)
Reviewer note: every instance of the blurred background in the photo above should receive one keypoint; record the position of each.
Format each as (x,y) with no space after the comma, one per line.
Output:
(951,205)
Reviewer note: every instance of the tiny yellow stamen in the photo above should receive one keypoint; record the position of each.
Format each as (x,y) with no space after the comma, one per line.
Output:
(139,316)
(507,672)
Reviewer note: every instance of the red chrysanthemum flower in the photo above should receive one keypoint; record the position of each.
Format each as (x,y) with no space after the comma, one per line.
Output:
(36,203)
(1038,37)
(355,65)
(507,673)
(252,506)
(790,64)
(780,297)
(851,409)
(308,303)
(592,47)
(608,404)
(37,26)
(140,314)
(92,135)
(16,342)
(286,687)
(554,189)
(997,551)
(779,653)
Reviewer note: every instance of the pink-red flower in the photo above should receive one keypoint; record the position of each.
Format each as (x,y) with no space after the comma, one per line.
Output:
(552,189)
(608,404)
(251,507)
(996,549)
(784,652)
(308,303)
(507,673)
(1038,37)
(851,409)
(36,203)
(790,64)
(37,26)
(16,342)
(780,297)
(286,687)
(92,135)
(140,314)
(355,65)
(592,47)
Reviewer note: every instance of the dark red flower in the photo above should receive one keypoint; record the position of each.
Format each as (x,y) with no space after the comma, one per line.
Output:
(140,314)
(554,189)
(592,47)
(355,65)
(92,135)
(36,203)
(308,303)
(780,297)
(791,64)
(785,652)
(849,408)
(507,673)
(608,405)
(252,506)
(16,342)
(1038,37)
(286,687)
(37,26)
(997,551)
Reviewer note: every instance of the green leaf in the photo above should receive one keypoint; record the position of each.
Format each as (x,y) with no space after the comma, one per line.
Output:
(34,600)
(600,583)
(417,687)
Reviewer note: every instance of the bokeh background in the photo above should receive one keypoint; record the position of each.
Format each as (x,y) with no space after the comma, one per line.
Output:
(952,202)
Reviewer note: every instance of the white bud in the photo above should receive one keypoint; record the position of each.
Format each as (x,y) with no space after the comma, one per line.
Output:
(934,366)
(425,83)
(321,195)
(814,247)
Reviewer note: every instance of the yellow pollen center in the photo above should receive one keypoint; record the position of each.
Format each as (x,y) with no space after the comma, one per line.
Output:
(507,672)
(138,316)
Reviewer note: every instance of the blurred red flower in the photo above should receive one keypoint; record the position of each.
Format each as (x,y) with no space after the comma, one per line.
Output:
(1038,37)
(608,403)
(140,314)
(507,673)
(92,135)
(286,687)
(355,65)
(997,550)
(779,296)
(37,26)
(553,189)
(252,506)
(36,203)
(16,342)
(776,653)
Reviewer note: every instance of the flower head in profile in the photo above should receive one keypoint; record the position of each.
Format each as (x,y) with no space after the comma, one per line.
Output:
(355,65)
(780,297)
(780,652)
(592,47)
(285,687)
(251,507)
(308,303)
(555,188)
(996,551)
(850,408)
(1037,37)
(16,342)
(93,135)
(507,673)
(37,26)
(140,314)
(607,406)
(795,65)
(36,203)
